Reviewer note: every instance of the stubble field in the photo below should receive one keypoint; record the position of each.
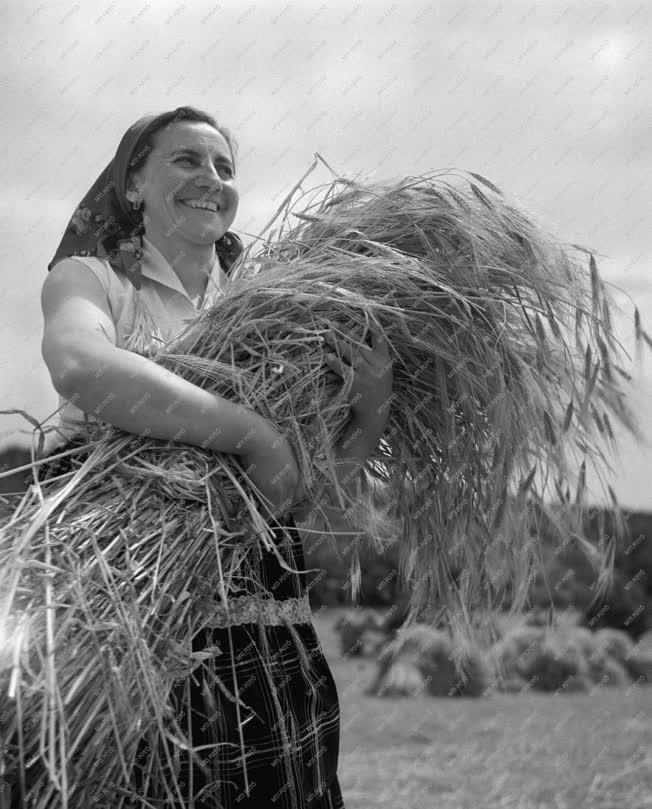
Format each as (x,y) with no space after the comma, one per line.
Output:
(526,751)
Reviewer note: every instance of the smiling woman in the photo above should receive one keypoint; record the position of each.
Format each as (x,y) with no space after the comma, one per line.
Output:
(134,265)
(191,167)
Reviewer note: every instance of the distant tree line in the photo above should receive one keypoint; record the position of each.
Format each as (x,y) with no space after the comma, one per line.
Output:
(627,604)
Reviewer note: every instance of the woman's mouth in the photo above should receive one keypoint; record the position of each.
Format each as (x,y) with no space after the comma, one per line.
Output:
(200,205)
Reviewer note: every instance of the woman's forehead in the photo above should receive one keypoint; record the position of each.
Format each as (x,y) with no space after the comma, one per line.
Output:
(198,136)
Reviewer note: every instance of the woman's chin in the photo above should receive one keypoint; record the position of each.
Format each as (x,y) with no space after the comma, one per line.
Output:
(204,235)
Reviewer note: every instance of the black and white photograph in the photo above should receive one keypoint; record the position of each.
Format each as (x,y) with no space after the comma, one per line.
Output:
(325,425)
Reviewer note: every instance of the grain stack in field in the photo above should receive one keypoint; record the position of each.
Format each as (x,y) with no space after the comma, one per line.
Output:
(639,661)
(511,657)
(360,632)
(636,658)
(535,656)
(605,670)
(557,658)
(639,666)
(645,642)
(604,667)
(444,670)
(404,678)
(504,363)
(615,643)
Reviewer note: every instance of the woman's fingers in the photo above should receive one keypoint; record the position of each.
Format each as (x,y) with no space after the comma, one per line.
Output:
(338,365)
(378,340)
(342,346)
(353,353)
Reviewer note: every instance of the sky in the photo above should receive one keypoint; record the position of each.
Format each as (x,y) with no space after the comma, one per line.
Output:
(549,100)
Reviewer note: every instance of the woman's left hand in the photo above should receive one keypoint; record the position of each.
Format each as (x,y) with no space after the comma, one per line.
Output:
(371,388)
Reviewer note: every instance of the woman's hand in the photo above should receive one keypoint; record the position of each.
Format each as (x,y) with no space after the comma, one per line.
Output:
(371,389)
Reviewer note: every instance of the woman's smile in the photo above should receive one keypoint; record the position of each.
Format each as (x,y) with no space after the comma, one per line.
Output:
(205,206)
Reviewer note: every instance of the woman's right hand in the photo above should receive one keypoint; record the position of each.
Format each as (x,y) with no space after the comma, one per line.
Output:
(273,468)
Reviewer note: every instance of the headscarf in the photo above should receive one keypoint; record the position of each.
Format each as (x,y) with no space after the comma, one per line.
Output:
(106,225)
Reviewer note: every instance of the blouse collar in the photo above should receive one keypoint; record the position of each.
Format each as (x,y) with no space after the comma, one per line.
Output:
(156,266)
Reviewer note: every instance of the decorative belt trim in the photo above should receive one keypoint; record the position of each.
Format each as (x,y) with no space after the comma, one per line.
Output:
(256,610)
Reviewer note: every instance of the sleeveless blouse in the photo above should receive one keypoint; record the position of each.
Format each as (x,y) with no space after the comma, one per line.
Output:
(162,300)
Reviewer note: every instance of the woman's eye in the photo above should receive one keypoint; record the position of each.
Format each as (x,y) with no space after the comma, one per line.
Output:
(224,171)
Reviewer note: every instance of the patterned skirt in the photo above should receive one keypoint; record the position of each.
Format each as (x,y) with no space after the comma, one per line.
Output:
(278,747)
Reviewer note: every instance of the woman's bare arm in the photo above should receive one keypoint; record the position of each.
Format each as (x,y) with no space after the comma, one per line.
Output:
(137,395)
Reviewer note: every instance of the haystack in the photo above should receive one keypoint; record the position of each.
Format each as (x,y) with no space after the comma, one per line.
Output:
(355,629)
(445,670)
(616,644)
(561,659)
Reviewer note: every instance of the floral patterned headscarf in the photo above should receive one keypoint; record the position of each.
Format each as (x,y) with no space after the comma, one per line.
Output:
(105,224)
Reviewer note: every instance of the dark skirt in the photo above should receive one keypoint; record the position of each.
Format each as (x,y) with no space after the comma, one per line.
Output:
(291,722)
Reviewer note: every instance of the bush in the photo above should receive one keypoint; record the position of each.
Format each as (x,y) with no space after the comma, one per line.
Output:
(626,607)
(379,586)
(634,550)
(572,578)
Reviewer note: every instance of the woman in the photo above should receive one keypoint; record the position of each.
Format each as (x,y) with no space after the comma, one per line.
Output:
(148,247)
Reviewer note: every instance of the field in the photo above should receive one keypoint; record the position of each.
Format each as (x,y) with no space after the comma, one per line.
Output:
(531,751)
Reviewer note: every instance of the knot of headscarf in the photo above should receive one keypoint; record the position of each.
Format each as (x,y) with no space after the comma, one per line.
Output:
(105,225)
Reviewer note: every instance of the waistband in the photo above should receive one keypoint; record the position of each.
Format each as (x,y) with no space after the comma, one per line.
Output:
(256,610)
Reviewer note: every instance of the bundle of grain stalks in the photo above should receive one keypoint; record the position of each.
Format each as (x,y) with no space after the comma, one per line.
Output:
(616,643)
(503,362)
(534,657)
(636,659)
(639,666)
(360,633)
(446,666)
(562,658)
(601,653)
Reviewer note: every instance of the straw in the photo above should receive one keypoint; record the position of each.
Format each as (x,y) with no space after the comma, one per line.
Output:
(503,361)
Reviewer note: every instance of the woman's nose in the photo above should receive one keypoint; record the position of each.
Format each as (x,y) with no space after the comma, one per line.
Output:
(211,178)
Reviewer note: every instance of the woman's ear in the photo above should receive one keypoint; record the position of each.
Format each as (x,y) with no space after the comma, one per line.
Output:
(133,189)
(133,195)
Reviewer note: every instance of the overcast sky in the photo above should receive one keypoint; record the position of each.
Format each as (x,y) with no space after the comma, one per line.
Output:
(549,100)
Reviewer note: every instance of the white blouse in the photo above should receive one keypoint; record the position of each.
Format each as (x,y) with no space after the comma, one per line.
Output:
(162,297)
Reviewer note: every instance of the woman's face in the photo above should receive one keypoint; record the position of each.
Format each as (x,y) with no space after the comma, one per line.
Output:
(190,161)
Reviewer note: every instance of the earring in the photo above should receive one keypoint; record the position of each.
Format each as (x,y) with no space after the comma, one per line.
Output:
(136,204)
